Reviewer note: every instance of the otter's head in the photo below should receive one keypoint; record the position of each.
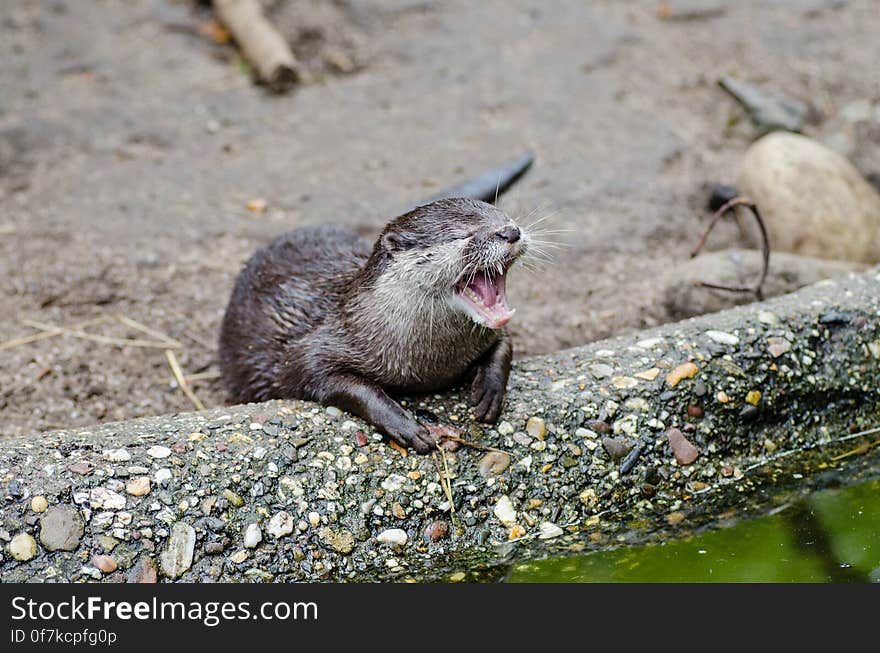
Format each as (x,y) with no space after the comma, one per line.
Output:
(458,250)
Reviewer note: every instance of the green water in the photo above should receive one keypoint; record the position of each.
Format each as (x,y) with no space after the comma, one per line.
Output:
(830,536)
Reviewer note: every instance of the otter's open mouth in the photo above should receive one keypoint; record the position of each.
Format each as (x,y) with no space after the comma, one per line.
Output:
(484,299)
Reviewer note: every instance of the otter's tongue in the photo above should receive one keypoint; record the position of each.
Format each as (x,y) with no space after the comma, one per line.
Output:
(485,293)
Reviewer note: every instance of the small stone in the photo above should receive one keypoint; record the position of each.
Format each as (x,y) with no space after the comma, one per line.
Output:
(393,482)
(61,529)
(117,455)
(504,511)
(589,498)
(874,348)
(617,448)
(360,439)
(252,536)
(494,463)
(549,530)
(648,375)
(685,452)
(516,532)
(601,370)
(770,446)
(535,427)
(105,563)
(101,497)
(158,451)
(257,205)
(281,524)
(107,543)
(598,426)
(778,346)
(627,424)
(214,548)
(395,537)
(333,411)
(723,397)
(694,411)
(684,371)
(457,577)
(239,556)
(23,547)
(521,438)
(138,486)
(398,511)
(675,518)
(39,503)
(722,337)
(82,467)
(436,531)
(143,572)
(505,428)
(753,397)
(342,540)
(314,519)
(162,476)
(178,555)
(624,382)
(767,317)
(233,498)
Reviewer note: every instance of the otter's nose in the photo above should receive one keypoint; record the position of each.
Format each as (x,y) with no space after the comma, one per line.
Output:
(510,234)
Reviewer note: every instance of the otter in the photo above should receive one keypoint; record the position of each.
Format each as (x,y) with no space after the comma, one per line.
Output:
(319,314)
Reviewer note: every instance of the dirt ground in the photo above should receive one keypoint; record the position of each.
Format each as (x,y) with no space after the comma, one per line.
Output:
(131,143)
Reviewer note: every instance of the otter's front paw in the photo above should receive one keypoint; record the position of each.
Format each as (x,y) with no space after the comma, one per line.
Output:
(487,395)
(416,436)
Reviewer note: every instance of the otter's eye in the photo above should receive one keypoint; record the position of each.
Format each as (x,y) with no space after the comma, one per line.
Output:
(395,241)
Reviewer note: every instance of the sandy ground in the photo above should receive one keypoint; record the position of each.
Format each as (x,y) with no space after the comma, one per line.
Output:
(130,144)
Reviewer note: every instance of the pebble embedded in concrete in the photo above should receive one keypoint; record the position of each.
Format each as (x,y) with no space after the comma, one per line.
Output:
(504,511)
(395,537)
(281,524)
(158,451)
(685,452)
(549,530)
(535,427)
(39,503)
(178,555)
(138,486)
(252,536)
(494,463)
(61,529)
(23,547)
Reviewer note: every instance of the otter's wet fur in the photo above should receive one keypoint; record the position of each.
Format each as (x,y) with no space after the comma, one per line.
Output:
(320,314)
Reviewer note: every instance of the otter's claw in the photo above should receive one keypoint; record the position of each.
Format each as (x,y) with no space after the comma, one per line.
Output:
(487,396)
(418,437)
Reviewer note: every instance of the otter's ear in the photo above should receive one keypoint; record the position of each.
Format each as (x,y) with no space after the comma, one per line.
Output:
(396,241)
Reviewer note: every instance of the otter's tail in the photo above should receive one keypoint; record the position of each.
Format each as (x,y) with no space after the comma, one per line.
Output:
(491,184)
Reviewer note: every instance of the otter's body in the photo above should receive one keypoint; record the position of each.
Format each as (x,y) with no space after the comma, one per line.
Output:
(320,314)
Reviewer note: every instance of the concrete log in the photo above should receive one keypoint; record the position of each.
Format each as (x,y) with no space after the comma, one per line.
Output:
(763,395)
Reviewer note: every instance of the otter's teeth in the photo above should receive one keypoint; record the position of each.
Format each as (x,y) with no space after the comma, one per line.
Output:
(473,295)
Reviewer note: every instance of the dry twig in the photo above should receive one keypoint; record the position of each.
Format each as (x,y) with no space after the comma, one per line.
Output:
(178,374)
(107,340)
(15,342)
